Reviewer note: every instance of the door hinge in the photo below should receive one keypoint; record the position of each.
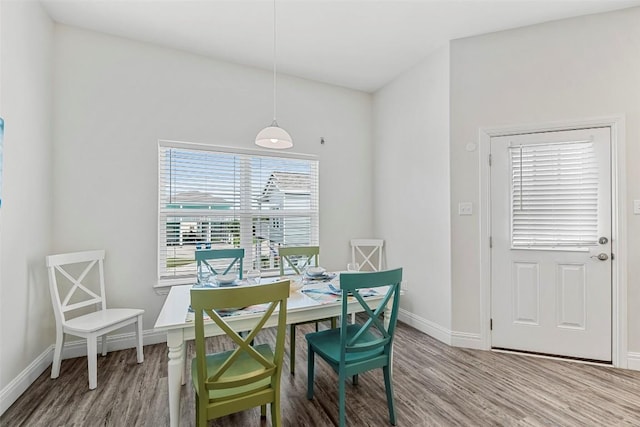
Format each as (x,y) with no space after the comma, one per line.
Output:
(612,257)
(490,242)
(491,324)
(489,159)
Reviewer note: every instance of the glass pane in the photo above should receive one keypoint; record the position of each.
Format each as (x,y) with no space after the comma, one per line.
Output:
(554,195)
(212,199)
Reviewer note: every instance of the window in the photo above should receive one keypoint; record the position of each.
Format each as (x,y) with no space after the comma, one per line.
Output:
(554,195)
(213,197)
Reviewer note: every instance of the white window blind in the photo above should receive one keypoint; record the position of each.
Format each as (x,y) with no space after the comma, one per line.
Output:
(212,198)
(554,195)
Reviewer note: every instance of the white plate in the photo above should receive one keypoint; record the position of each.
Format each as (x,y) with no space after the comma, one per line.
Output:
(315,271)
(226,279)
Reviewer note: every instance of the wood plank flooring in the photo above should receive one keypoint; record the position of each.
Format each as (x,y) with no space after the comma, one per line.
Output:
(435,385)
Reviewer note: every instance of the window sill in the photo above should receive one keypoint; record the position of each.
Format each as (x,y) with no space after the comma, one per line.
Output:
(164,285)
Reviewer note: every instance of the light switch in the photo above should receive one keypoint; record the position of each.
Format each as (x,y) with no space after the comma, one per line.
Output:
(465,208)
(636,207)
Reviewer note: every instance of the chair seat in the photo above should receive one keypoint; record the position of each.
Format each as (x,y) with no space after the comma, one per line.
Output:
(101,319)
(327,344)
(243,365)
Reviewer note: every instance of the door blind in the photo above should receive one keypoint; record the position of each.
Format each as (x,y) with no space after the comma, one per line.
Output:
(210,198)
(554,195)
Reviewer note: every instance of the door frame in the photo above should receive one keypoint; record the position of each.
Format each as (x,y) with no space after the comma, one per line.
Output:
(618,223)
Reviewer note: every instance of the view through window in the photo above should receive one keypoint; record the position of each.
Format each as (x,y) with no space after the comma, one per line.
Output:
(213,198)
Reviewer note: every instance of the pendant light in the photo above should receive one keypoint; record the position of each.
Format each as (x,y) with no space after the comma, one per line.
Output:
(274,136)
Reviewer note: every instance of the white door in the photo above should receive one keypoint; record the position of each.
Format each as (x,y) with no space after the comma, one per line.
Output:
(551,243)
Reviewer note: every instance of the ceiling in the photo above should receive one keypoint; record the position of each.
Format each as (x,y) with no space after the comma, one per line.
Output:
(359,44)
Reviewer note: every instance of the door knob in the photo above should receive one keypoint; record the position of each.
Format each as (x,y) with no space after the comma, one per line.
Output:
(601,257)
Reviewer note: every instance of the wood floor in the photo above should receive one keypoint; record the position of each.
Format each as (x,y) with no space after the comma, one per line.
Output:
(435,385)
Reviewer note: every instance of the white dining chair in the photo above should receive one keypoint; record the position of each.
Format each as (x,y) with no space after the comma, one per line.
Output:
(76,283)
(367,253)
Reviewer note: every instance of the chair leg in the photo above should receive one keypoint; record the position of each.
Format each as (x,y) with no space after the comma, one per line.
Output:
(139,336)
(310,373)
(104,345)
(342,395)
(201,415)
(197,410)
(57,354)
(292,351)
(92,360)
(388,385)
(263,411)
(275,412)
(333,323)
(354,379)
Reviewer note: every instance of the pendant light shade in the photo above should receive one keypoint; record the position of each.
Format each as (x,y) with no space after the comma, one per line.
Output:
(274,136)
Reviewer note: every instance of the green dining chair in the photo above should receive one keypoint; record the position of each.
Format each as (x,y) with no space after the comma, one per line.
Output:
(246,376)
(294,260)
(355,348)
(219,261)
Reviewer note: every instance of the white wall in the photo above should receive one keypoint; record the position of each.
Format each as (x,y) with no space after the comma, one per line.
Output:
(411,182)
(573,69)
(115,98)
(26,320)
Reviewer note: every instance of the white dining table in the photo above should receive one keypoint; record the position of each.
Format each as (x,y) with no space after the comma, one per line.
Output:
(173,320)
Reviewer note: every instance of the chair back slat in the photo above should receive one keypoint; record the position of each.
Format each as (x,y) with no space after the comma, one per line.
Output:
(63,271)
(219,261)
(78,288)
(74,258)
(241,341)
(350,284)
(207,301)
(353,344)
(297,258)
(367,253)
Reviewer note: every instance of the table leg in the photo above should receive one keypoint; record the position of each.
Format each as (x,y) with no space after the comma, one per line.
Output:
(175,369)
(185,368)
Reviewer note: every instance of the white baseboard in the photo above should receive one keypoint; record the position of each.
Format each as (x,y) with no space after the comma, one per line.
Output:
(467,340)
(452,338)
(423,325)
(633,361)
(12,391)
(115,342)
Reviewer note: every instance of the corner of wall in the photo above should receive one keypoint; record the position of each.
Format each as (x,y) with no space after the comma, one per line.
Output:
(12,391)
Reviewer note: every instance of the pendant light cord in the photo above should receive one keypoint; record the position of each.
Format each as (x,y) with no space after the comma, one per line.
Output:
(274,61)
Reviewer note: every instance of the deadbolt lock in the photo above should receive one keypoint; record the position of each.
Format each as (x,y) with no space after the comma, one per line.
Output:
(603,240)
